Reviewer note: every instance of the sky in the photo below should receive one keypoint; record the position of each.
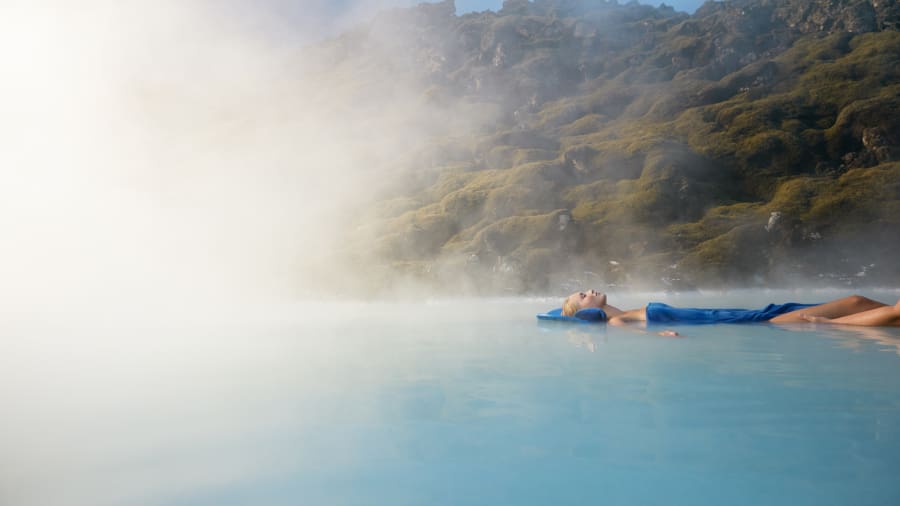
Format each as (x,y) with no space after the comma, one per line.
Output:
(464,6)
(310,20)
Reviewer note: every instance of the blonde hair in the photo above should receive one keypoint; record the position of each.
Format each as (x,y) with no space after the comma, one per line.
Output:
(569,307)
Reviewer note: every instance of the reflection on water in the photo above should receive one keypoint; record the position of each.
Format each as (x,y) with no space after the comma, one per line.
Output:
(443,403)
(590,338)
(855,337)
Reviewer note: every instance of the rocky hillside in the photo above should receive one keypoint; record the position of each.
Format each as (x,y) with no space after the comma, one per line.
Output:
(571,142)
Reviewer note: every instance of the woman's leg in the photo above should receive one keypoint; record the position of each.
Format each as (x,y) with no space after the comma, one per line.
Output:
(885,316)
(834,309)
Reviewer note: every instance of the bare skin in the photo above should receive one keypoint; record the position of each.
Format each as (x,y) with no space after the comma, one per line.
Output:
(852,310)
(592,299)
(595,299)
(878,315)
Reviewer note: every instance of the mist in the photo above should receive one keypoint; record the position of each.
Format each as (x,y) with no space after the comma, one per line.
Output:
(180,151)
(194,152)
(165,162)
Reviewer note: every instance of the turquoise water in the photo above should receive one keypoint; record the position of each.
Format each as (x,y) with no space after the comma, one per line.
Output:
(468,402)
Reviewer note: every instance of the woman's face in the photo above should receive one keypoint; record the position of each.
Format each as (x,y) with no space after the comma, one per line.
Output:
(588,299)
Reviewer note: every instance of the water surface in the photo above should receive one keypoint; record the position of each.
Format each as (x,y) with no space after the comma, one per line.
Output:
(446,403)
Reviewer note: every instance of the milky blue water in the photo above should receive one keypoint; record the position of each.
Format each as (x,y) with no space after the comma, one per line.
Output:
(445,403)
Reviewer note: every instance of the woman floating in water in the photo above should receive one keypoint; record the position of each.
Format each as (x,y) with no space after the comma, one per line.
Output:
(853,310)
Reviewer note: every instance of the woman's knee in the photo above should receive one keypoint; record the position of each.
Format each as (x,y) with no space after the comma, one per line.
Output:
(863,303)
(858,300)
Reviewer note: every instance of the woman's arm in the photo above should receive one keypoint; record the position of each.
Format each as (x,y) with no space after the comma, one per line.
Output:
(634,316)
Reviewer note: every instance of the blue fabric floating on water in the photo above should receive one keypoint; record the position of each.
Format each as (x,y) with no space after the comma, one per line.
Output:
(590,315)
(657,312)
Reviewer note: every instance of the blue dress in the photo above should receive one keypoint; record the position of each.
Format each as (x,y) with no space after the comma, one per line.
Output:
(658,312)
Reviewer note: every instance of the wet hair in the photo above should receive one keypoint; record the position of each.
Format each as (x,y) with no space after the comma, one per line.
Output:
(569,308)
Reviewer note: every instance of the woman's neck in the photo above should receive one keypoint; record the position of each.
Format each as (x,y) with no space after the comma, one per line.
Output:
(611,310)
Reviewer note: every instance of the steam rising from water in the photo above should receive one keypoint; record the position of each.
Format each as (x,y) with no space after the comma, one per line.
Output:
(174,150)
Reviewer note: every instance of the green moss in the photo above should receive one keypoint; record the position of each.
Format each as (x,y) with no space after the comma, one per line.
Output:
(716,222)
(425,236)
(539,173)
(794,197)
(586,124)
(595,211)
(880,110)
(517,199)
(779,152)
(861,73)
(561,112)
(473,181)
(730,257)
(465,205)
(811,50)
(449,182)
(523,156)
(859,196)
(641,104)
(611,99)
(507,235)
(704,135)
(591,192)
(500,157)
